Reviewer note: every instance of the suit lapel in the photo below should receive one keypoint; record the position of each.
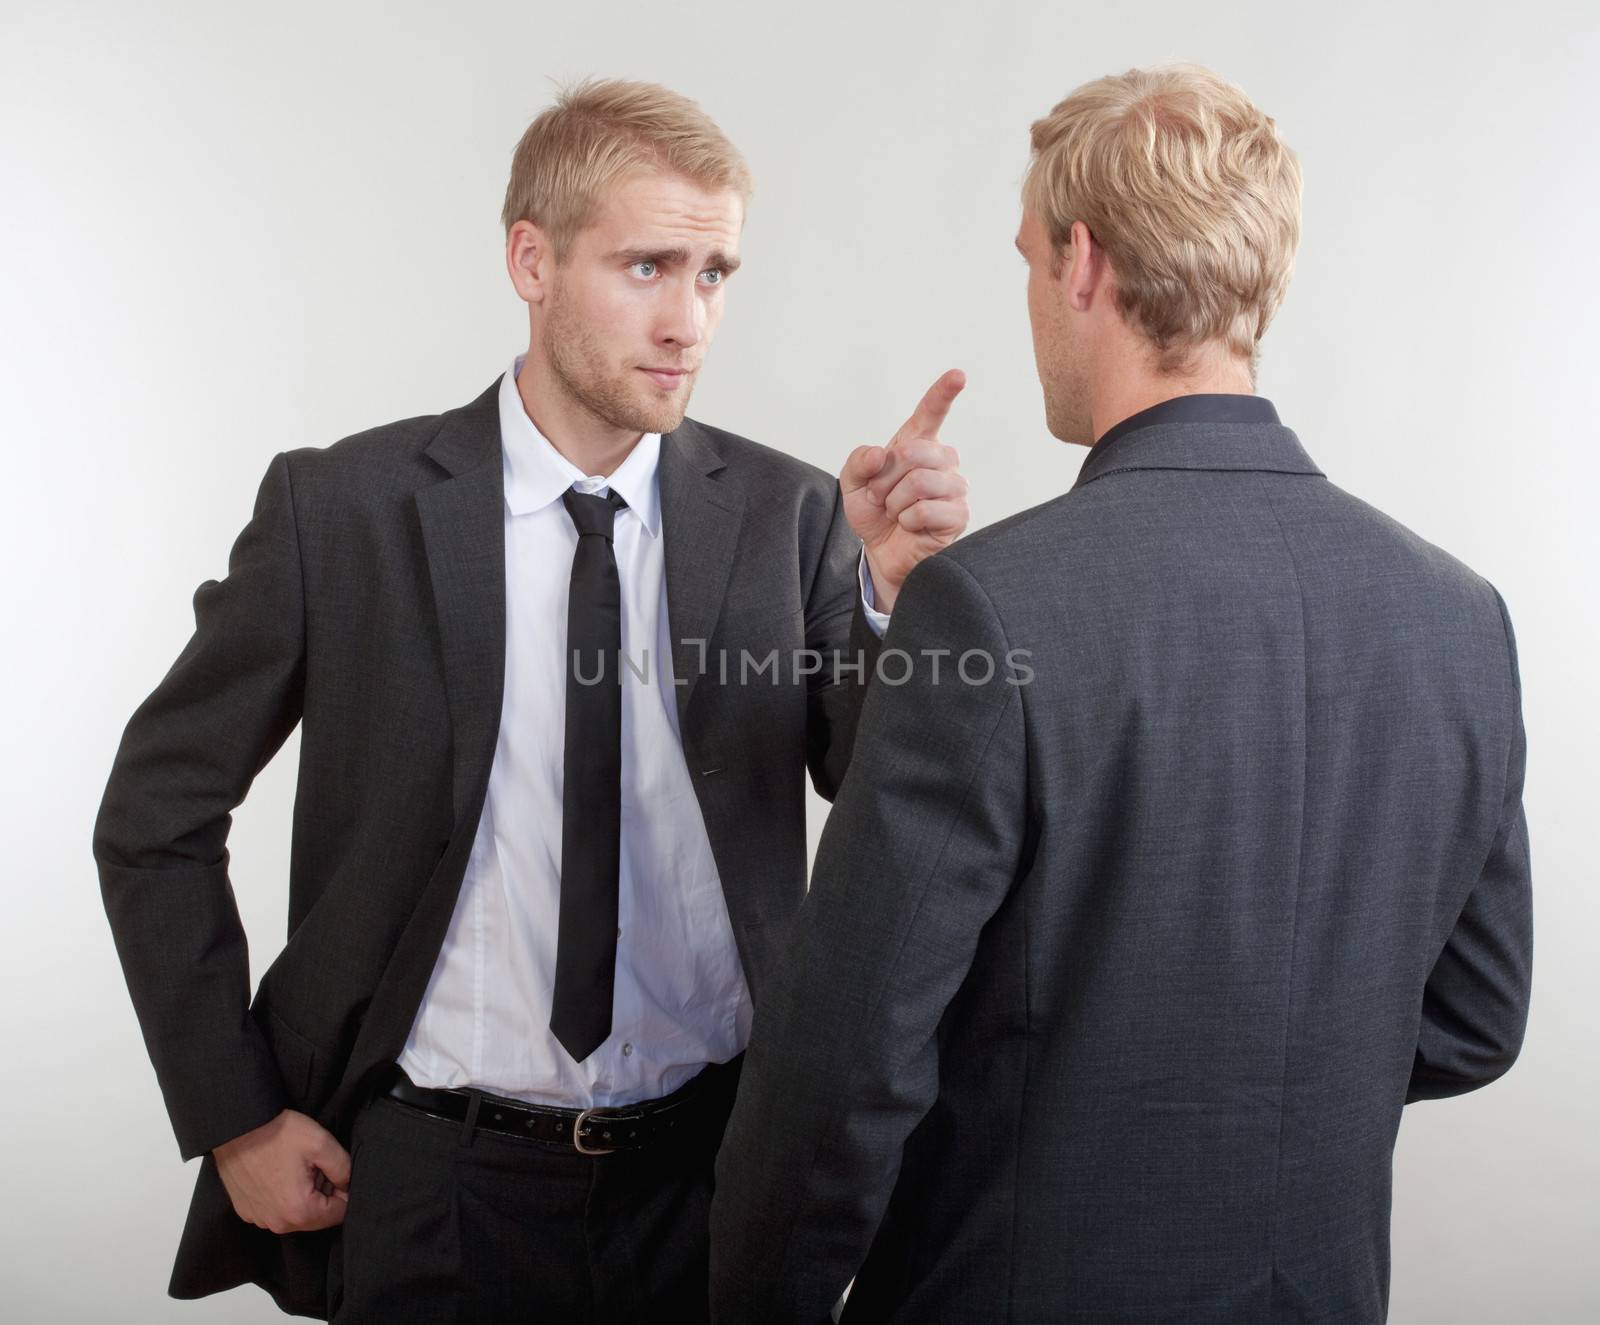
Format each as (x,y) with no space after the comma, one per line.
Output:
(700,521)
(463,531)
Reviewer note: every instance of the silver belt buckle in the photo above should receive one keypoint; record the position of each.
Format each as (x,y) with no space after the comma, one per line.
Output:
(577,1135)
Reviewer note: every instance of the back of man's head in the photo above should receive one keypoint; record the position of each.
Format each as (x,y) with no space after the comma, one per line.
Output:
(1190,191)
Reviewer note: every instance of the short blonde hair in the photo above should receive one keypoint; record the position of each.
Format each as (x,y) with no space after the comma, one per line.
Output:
(1190,191)
(599,130)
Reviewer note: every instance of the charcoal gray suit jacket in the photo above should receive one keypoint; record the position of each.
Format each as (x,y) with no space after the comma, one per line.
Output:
(1111,986)
(365,600)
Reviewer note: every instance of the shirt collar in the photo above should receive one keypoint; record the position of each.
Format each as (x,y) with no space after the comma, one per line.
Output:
(536,474)
(1200,408)
(1199,432)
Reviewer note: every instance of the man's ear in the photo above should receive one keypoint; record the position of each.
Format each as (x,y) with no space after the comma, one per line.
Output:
(529,261)
(1083,268)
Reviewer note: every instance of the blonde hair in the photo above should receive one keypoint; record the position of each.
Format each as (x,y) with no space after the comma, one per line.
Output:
(599,130)
(1190,191)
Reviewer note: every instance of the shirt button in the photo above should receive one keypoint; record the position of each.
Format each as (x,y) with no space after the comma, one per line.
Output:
(627,1050)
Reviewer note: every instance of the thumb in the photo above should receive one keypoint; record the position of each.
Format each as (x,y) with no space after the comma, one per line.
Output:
(333,1159)
(861,466)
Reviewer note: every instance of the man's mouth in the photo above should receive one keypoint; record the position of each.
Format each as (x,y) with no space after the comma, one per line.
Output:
(666,377)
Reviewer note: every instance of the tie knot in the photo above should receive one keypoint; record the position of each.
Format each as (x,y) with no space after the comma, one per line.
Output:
(591,513)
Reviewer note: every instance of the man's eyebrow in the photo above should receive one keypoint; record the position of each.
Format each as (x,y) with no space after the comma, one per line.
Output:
(668,256)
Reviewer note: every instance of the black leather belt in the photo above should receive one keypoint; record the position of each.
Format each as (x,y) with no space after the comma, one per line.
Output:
(597,1131)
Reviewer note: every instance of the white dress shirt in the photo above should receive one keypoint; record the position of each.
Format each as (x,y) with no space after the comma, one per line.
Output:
(680,998)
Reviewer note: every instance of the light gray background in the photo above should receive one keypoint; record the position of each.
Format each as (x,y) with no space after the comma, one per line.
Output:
(231,230)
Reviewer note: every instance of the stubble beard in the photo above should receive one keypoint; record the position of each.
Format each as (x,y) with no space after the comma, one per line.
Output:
(578,361)
(1066,395)
(1066,413)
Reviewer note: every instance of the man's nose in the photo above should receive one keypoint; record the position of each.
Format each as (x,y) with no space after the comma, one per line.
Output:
(683,317)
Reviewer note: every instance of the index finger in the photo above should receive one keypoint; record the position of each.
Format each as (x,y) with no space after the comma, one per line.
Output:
(930,412)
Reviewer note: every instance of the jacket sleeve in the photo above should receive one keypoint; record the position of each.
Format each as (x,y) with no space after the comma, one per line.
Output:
(187,758)
(838,630)
(922,846)
(1475,1004)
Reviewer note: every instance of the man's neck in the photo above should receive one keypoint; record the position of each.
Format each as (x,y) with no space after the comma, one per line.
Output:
(1122,395)
(587,442)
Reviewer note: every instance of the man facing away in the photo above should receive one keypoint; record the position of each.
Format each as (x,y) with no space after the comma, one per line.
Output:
(1113,979)
(548,825)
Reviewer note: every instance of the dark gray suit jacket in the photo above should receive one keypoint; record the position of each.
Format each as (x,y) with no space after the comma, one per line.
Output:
(1111,986)
(365,600)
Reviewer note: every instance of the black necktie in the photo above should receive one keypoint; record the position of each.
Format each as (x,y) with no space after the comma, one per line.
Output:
(591,802)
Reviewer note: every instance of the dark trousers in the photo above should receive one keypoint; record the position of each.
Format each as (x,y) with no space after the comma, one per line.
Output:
(452,1223)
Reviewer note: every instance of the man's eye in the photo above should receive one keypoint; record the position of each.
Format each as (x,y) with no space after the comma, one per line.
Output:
(643,268)
(713,275)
